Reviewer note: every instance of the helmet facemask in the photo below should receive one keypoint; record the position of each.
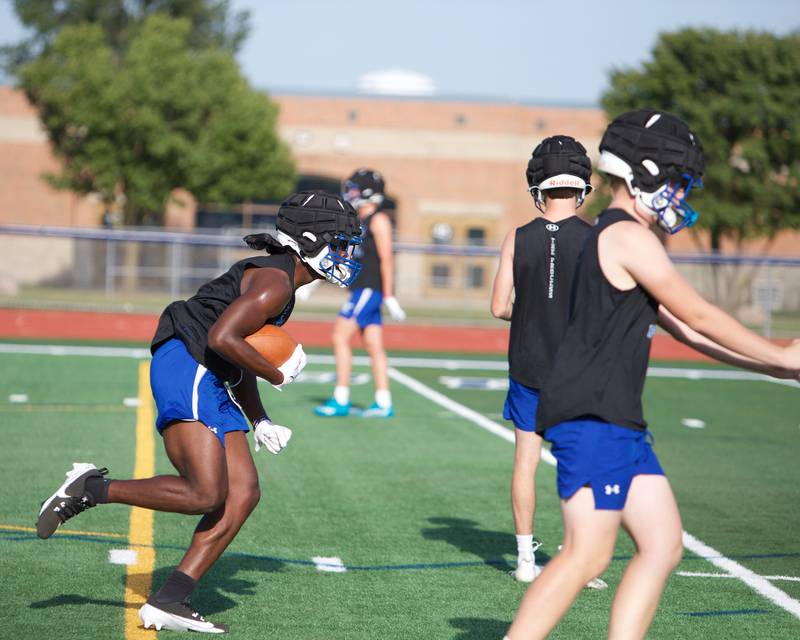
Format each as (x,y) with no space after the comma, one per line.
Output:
(660,161)
(334,261)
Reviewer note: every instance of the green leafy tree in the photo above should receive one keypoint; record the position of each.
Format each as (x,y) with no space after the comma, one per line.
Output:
(213,24)
(161,116)
(740,94)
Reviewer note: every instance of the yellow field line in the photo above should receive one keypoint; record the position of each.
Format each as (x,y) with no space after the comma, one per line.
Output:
(140,575)
(65,532)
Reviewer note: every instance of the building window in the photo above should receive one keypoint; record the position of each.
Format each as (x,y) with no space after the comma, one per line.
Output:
(440,276)
(475,276)
(476,236)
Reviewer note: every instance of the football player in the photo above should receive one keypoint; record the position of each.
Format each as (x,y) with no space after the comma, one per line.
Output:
(203,378)
(537,264)
(362,312)
(590,403)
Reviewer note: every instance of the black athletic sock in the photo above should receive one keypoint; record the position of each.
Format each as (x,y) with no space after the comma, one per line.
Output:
(98,487)
(177,588)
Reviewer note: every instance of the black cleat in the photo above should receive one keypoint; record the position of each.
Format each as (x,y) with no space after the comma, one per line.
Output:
(177,616)
(69,500)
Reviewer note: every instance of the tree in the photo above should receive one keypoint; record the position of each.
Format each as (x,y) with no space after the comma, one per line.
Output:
(739,92)
(159,117)
(213,24)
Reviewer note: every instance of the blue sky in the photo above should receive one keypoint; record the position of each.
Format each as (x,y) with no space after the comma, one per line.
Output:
(529,51)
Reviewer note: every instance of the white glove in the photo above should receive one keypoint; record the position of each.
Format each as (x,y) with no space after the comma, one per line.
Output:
(395,310)
(272,436)
(304,292)
(292,367)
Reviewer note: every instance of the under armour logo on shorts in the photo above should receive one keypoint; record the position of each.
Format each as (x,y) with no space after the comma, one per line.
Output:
(612,488)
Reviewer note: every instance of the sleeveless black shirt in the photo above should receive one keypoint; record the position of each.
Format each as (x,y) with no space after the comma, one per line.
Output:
(545,255)
(600,367)
(190,320)
(367,254)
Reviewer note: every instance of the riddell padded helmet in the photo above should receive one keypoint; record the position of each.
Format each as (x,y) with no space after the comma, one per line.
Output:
(656,154)
(364,186)
(322,229)
(559,162)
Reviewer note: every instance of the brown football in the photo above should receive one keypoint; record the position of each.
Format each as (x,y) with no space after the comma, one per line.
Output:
(273,343)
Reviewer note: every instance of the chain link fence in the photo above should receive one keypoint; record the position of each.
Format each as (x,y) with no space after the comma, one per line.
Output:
(142,270)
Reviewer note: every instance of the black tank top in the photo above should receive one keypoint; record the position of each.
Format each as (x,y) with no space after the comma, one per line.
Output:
(367,254)
(545,255)
(600,367)
(190,320)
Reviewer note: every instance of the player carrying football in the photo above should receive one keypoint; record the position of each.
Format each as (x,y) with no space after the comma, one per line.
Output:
(590,404)
(203,376)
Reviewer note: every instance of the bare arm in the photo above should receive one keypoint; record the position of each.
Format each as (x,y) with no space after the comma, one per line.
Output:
(629,249)
(265,296)
(246,394)
(688,336)
(503,286)
(381,228)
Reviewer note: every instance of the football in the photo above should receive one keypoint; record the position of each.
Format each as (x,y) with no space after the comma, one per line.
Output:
(273,343)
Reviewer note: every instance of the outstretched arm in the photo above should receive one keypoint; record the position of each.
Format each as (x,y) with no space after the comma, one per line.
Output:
(637,251)
(503,286)
(688,336)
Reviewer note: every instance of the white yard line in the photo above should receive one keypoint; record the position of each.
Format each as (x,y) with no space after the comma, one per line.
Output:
(701,574)
(465,412)
(756,582)
(450,364)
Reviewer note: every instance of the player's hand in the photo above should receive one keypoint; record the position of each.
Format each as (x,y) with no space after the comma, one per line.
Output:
(272,436)
(793,357)
(292,367)
(395,310)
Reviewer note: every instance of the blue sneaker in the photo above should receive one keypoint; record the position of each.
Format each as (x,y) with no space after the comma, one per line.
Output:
(332,409)
(376,411)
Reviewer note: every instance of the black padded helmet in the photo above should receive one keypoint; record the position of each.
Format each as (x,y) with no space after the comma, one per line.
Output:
(654,148)
(559,162)
(322,229)
(364,186)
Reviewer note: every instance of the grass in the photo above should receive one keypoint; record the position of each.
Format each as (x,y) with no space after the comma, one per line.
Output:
(416,507)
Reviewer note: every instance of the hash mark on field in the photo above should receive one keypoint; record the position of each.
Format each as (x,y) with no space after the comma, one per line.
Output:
(122,556)
(18,398)
(332,564)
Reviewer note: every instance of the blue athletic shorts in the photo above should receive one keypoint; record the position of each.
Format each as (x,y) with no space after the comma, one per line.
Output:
(602,455)
(521,404)
(185,390)
(364,306)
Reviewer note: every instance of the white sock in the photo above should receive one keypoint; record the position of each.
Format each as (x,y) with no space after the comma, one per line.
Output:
(341,394)
(383,398)
(525,547)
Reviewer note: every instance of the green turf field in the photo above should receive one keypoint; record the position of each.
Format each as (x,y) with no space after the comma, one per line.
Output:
(416,508)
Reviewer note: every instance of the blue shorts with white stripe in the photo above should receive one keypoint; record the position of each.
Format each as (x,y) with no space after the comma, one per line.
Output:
(364,306)
(186,391)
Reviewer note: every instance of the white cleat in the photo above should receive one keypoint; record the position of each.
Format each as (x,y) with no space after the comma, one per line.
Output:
(597,583)
(526,570)
(177,616)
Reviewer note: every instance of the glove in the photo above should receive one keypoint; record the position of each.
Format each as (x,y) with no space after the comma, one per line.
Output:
(395,310)
(292,367)
(304,292)
(272,436)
